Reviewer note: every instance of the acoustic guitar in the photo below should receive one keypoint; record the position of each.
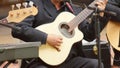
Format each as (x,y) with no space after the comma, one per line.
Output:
(113,34)
(64,25)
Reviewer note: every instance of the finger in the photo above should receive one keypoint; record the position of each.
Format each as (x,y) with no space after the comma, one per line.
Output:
(100,3)
(61,38)
(58,44)
(105,1)
(57,48)
(99,7)
(59,41)
(4,64)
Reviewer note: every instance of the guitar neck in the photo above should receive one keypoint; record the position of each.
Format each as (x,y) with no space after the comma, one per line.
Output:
(4,22)
(81,16)
(85,13)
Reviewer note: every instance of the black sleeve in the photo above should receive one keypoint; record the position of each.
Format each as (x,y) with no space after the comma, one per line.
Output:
(89,29)
(27,33)
(116,9)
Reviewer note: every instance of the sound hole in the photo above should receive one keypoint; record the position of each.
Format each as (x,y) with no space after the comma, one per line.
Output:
(63,28)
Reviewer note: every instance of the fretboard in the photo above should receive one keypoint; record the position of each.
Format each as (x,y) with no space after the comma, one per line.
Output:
(81,16)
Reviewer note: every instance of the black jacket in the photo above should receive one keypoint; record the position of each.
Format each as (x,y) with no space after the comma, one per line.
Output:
(47,13)
(114,6)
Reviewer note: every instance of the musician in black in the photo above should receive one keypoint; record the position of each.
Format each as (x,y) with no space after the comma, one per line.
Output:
(114,6)
(48,10)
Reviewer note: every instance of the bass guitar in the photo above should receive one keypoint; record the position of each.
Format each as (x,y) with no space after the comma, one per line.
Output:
(17,15)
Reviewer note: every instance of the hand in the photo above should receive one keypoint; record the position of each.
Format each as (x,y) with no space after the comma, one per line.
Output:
(54,40)
(101,5)
(12,65)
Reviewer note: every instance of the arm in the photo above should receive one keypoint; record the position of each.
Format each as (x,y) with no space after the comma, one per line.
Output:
(27,33)
(89,29)
(114,8)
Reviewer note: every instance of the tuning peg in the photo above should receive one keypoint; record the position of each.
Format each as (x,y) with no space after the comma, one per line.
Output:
(25,4)
(18,5)
(13,7)
(31,3)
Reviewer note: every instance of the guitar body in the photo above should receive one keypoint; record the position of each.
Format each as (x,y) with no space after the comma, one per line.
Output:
(49,54)
(113,34)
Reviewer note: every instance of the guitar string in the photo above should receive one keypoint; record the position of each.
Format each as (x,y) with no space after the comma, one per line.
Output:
(80,17)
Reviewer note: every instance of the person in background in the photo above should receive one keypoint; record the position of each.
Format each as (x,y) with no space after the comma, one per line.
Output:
(48,10)
(114,6)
